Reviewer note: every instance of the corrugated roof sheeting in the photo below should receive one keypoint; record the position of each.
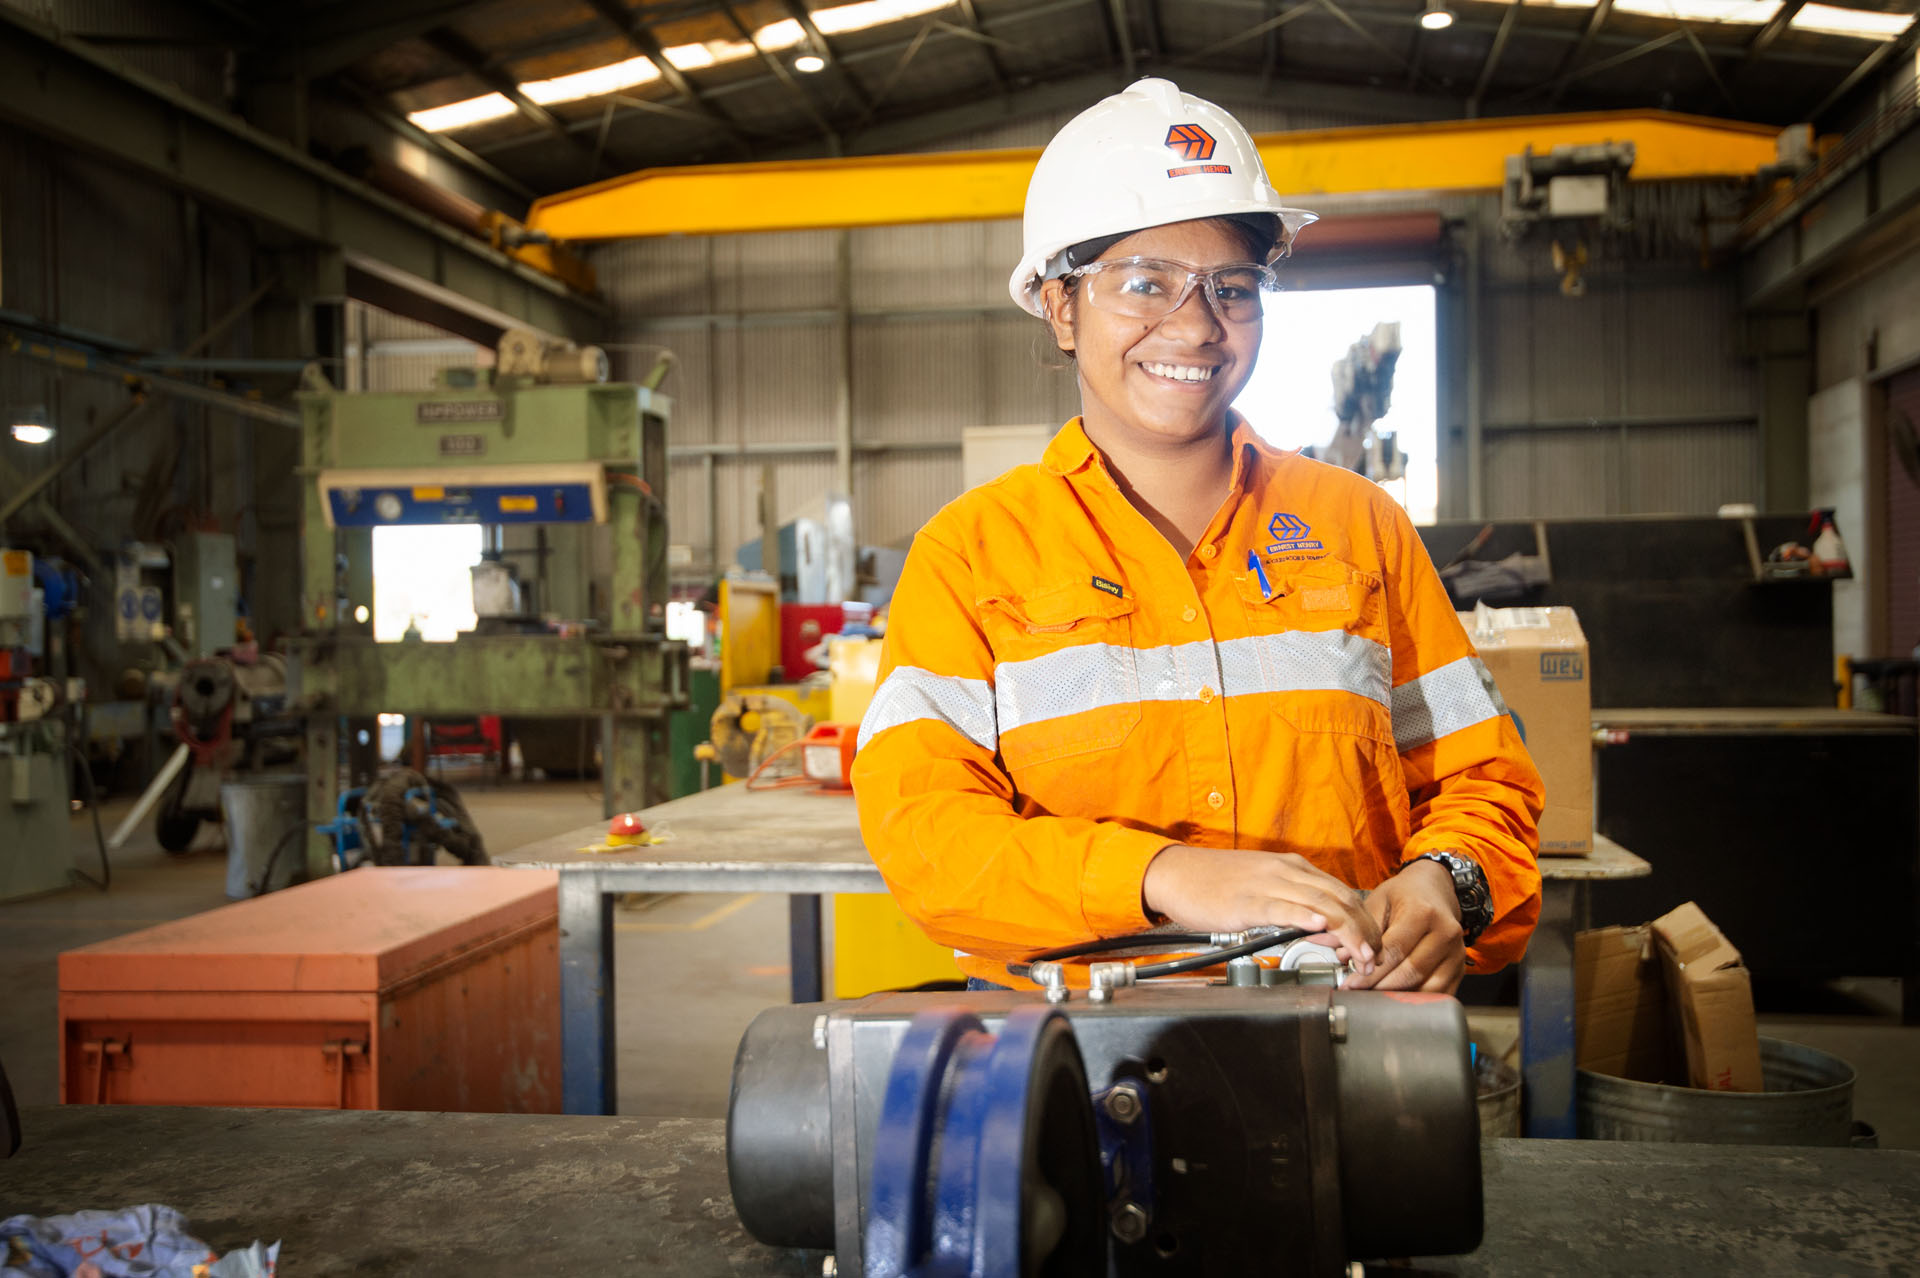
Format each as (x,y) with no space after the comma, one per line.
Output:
(121,26)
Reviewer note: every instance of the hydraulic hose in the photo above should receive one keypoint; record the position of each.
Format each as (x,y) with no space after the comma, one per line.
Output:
(1159,942)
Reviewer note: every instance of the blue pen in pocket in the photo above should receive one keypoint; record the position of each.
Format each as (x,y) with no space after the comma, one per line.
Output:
(1253,562)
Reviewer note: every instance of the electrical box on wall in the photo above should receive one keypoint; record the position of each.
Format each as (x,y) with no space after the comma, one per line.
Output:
(206,581)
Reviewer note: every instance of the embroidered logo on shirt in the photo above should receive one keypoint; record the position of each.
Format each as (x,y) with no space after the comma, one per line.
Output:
(1290,532)
(1111,587)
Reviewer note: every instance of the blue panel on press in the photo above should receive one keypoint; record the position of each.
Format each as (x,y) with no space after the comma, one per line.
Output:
(461,504)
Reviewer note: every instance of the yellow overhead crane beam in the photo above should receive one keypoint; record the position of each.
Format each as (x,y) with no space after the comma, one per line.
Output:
(964,186)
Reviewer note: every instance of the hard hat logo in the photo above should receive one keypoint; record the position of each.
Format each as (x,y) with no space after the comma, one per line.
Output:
(1190,142)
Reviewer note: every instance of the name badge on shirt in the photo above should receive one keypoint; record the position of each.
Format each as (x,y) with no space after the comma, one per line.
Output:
(1111,587)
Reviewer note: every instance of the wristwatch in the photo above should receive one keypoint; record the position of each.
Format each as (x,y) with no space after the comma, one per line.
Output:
(1469,887)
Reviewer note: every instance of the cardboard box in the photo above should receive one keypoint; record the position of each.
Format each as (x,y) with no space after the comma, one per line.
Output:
(1710,988)
(1621,1013)
(1538,658)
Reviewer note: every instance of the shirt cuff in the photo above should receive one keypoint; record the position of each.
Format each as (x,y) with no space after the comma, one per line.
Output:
(1110,882)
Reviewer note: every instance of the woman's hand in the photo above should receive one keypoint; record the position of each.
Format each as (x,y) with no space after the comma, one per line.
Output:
(1423,945)
(1233,889)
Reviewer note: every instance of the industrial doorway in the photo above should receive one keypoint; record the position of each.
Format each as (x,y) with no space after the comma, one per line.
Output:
(1291,397)
(421,581)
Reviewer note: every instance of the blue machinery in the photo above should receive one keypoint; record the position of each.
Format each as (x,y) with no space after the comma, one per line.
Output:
(1163,1129)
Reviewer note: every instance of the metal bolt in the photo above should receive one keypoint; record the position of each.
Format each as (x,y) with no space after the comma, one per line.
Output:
(1130,1223)
(1337,1023)
(1058,994)
(1099,994)
(1123,1103)
(820,1039)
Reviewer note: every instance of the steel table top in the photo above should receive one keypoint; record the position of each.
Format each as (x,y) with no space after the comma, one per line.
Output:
(375,1194)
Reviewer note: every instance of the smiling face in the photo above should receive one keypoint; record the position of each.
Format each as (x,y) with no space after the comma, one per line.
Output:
(1165,381)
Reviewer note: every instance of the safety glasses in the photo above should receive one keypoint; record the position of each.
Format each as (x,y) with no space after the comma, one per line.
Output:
(1151,287)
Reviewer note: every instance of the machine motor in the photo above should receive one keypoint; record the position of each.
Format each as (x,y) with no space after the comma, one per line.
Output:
(1165,1128)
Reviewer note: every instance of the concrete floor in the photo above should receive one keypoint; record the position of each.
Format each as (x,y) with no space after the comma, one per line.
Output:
(694,970)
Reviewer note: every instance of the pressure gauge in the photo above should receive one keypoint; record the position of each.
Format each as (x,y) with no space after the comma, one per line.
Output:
(387,506)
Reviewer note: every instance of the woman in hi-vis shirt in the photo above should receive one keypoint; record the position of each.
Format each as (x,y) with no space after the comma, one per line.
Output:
(1171,674)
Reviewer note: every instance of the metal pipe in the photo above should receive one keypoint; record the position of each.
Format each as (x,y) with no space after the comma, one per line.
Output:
(1476,407)
(150,796)
(843,374)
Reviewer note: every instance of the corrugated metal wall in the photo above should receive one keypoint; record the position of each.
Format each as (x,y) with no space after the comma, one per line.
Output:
(92,252)
(1636,398)
(1639,397)
(387,352)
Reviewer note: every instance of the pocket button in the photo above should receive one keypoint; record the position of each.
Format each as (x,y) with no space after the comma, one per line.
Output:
(1188,614)
(1216,800)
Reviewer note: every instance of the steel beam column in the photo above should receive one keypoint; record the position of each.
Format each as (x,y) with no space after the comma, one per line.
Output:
(62,89)
(1546,1014)
(588,1061)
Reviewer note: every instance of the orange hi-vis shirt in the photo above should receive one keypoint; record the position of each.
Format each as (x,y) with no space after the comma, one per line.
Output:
(1061,697)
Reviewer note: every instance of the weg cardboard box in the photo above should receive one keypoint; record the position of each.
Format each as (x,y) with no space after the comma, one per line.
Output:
(1538,659)
(1714,995)
(1620,1019)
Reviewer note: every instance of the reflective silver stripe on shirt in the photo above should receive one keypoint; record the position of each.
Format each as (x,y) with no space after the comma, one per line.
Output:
(910,694)
(1457,695)
(1097,675)
(1307,661)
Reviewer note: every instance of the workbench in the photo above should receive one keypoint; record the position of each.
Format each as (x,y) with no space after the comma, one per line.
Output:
(807,844)
(370,1194)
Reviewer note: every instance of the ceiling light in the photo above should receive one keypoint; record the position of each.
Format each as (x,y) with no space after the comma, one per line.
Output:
(809,62)
(31,426)
(1437,17)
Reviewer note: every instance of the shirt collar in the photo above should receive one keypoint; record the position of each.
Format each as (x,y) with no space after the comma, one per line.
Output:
(1071,450)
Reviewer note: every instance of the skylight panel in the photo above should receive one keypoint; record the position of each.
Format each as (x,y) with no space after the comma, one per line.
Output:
(1835,20)
(1730,12)
(463,114)
(596,82)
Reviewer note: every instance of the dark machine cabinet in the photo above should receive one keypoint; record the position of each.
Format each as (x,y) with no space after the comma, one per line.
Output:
(1801,845)
(1796,828)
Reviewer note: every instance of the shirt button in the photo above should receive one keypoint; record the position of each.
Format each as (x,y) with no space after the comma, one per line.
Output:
(1188,614)
(1206,695)
(1209,550)
(1216,800)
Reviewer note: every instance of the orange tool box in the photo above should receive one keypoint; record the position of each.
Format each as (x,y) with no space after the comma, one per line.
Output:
(383,988)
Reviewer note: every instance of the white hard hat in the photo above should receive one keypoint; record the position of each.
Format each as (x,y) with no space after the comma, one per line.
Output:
(1147,156)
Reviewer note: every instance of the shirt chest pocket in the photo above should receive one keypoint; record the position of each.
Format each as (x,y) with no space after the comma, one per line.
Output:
(1317,640)
(1066,676)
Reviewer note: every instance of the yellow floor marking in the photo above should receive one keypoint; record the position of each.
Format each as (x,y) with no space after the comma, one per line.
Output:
(700,924)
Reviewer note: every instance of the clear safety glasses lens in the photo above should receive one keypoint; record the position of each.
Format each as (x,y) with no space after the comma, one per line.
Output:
(1147,288)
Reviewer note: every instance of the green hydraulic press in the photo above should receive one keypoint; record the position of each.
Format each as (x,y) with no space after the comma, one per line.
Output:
(542,438)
